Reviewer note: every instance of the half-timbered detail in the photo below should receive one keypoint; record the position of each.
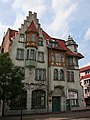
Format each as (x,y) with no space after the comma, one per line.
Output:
(51,68)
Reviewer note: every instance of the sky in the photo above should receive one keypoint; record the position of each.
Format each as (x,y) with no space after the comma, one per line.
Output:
(59,18)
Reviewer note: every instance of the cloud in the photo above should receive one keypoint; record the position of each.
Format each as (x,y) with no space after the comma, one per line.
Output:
(87,34)
(63,12)
(4,1)
(3,29)
(30,5)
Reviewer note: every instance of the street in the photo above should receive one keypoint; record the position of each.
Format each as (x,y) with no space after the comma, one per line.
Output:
(77,115)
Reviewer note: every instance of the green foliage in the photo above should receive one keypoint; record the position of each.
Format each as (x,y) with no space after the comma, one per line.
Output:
(10,78)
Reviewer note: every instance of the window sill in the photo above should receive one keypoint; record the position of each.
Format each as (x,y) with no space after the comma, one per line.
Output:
(71,81)
(39,108)
(19,59)
(40,61)
(40,80)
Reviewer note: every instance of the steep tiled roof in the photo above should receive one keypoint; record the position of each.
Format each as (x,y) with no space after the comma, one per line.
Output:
(70,53)
(32,27)
(13,33)
(85,68)
(61,44)
(46,36)
(84,77)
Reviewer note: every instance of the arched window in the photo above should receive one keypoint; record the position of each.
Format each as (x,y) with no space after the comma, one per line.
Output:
(61,74)
(55,74)
(38,99)
(68,76)
(72,76)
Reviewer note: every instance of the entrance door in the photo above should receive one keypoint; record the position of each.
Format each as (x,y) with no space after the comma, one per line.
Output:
(56,103)
(68,104)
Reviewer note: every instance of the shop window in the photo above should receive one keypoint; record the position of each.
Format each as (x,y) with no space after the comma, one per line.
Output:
(20,54)
(61,74)
(55,74)
(40,42)
(22,39)
(41,56)
(38,99)
(19,101)
(40,74)
(33,54)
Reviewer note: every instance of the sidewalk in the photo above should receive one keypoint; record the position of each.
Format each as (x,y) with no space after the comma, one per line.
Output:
(52,116)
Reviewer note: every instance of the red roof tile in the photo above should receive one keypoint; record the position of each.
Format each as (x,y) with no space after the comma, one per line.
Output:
(46,36)
(84,77)
(85,68)
(13,33)
(32,27)
(70,53)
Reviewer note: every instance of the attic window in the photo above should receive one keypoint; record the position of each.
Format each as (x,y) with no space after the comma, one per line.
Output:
(53,44)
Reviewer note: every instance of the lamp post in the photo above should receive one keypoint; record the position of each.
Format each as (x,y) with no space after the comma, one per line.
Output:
(21,106)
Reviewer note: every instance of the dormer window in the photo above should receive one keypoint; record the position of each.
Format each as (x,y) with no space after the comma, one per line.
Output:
(22,39)
(53,44)
(33,38)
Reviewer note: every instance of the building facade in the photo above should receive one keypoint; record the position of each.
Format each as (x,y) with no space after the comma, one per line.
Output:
(85,82)
(52,81)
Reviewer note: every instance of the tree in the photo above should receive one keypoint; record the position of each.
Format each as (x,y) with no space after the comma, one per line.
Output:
(11,77)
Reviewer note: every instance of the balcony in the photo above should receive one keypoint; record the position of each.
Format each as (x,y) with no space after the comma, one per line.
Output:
(31,63)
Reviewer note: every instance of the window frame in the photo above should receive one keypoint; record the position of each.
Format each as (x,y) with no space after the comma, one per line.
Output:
(41,57)
(20,54)
(41,72)
(37,99)
(55,74)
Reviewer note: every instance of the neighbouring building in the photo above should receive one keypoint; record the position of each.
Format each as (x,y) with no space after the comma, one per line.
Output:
(52,81)
(85,82)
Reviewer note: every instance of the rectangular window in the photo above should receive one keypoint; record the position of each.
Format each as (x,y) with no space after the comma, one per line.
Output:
(28,54)
(40,56)
(33,37)
(22,39)
(70,61)
(40,74)
(33,54)
(20,54)
(74,102)
(58,57)
(28,37)
(40,42)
